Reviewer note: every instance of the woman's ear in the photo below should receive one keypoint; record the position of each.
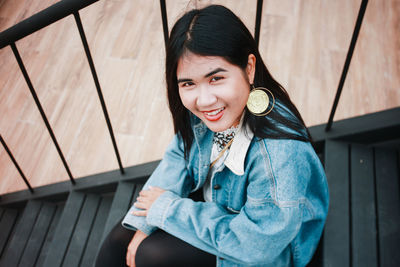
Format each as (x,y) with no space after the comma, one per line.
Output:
(251,68)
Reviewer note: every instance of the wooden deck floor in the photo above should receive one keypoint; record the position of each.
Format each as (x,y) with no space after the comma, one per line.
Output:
(362,227)
(304,43)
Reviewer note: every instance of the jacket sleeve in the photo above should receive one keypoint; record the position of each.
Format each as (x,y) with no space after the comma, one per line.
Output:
(171,175)
(259,233)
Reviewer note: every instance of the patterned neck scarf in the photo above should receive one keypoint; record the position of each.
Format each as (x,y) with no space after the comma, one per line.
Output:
(222,138)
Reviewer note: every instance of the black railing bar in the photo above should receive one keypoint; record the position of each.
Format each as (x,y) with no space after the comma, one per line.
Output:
(42,19)
(164,21)
(16,164)
(346,66)
(97,83)
(258,21)
(35,97)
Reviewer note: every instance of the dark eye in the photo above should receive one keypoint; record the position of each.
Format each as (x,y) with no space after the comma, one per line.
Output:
(187,84)
(216,78)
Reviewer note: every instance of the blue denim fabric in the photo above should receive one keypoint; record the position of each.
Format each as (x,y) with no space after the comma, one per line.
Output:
(272,215)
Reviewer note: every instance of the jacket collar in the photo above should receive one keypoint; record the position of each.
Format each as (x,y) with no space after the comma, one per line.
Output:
(237,154)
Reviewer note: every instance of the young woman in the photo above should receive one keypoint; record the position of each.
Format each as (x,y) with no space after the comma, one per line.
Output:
(259,195)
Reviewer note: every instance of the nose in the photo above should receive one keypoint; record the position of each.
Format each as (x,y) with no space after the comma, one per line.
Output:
(206,97)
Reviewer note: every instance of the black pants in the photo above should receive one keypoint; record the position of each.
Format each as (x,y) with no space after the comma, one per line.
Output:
(159,249)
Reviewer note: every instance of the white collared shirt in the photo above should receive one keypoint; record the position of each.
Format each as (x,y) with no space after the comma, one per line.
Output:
(233,157)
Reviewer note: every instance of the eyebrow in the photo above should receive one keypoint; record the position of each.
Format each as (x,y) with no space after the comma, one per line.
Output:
(205,76)
(214,72)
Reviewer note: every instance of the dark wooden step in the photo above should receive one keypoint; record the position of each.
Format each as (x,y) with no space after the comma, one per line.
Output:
(387,165)
(65,229)
(82,231)
(94,241)
(77,236)
(363,223)
(38,236)
(50,235)
(8,219)
(363,210)
(124,196)
(336,240)
(23,230)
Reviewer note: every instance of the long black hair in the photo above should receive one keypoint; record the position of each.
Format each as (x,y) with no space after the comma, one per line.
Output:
(217,31)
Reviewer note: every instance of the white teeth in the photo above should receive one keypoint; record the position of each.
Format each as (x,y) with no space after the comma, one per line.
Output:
(215,112)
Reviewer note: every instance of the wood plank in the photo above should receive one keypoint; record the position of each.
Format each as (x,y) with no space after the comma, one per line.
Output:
(370,128)
(120,205)
(388,201)
(38,236)
(363,210)
(7,223)
(101,182)
(22,233)
(50,235)
(97,231)
(65,229)
(82,230)
(306,58)
(336,240)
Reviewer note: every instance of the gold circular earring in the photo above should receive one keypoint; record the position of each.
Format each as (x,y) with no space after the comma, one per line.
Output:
(259,99)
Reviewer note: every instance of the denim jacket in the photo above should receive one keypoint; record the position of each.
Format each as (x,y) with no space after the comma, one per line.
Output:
(270,200)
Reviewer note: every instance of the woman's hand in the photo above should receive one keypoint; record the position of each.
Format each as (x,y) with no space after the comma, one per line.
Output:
(145,199)
(133,246)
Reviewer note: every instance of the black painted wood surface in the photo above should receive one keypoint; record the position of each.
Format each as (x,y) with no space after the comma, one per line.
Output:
(50,235)
(363,209)
(387,189)
(363,224)
(14,251)
(65,229)
(362,227)
(120,205)
(7,222)
(336,242)
(82,231)
(94,241)
(37,238)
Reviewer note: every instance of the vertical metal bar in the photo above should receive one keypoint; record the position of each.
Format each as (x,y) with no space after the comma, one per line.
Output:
(35,97)
(16,164)
(97,83)
(258,21)
(164,21)
(357,28)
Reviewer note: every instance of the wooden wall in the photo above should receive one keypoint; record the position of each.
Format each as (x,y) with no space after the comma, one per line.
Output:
(303,42)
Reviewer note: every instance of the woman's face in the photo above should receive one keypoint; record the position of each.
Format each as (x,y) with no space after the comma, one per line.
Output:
(213,89)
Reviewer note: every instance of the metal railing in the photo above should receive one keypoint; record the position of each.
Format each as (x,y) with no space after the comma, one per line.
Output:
(32,24)
(346,66)
(16,164)
(256,31)
(65,8)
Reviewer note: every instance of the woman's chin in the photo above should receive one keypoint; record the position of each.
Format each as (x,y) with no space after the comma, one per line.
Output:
(216,126)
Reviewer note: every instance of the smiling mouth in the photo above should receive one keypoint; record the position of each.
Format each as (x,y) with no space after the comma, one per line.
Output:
(214,112)
(214,115)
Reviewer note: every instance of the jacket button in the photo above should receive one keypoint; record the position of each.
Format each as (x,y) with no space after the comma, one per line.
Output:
(217,186)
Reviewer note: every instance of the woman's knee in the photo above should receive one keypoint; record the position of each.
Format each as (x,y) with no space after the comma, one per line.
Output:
(161,249)
(148,254)
(114,247)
